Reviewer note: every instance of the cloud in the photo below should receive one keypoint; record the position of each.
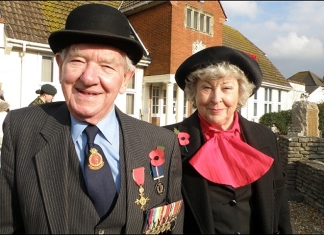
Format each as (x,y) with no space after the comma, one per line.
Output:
(240,8)
(294,46)
(290,33)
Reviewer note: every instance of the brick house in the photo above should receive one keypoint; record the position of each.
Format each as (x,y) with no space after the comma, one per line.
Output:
(169,31)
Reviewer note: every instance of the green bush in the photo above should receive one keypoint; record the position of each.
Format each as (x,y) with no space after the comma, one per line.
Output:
(281,120)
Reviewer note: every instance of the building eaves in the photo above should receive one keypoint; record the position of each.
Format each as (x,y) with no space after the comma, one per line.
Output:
(220,3)
(234,39)
(132,7)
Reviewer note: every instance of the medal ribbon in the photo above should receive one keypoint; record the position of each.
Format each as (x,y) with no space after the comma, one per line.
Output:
(138,176)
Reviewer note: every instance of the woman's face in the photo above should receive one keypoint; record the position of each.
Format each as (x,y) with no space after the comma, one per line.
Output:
(217,101)
(48,98)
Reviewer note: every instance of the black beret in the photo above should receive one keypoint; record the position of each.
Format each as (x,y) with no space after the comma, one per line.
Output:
(48,89)
(218,54)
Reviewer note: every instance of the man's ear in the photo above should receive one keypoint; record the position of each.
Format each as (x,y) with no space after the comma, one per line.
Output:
(127,77)
(59,63)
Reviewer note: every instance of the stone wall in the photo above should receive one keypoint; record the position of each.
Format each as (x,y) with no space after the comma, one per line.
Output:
(303,163)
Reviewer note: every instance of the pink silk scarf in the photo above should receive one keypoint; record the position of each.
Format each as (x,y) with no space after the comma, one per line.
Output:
(226,159)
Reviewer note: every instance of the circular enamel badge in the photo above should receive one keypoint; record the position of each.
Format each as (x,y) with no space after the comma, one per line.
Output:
(95,160)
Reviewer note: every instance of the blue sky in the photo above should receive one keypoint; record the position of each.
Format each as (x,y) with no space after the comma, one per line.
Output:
(290,33)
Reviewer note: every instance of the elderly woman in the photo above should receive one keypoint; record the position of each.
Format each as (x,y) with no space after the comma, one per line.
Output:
(233,181)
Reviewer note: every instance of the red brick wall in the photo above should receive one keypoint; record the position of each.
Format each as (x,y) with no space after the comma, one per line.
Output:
(163,32)
(153,26)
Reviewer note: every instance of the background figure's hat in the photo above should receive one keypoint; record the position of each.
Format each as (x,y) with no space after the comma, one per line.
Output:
(97,23)
(215,55)
(48,89)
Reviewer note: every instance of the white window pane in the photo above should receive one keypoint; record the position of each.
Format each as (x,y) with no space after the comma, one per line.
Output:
(130,104)
(47,69)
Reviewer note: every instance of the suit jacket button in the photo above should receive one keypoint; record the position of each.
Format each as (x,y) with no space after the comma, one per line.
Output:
(232,202)
(101,231)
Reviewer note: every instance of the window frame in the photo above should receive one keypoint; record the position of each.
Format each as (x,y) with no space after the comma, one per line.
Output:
(198,20)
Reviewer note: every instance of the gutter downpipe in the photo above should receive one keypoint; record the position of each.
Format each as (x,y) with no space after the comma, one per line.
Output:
(24,45)
(22,56)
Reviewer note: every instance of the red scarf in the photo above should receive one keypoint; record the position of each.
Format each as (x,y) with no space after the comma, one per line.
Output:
(226,159)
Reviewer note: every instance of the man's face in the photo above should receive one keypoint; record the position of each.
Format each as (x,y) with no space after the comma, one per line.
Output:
(91,77)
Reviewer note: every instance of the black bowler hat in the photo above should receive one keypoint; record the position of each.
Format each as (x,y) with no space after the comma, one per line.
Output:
(97,23)
(215,55)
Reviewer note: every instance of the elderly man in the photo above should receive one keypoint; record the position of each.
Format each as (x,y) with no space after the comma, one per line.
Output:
(82,166)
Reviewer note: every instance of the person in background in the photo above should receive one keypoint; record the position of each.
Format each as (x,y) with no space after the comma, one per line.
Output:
(233,180)
(46,95)
(4,108)
(2,98)
(82,166)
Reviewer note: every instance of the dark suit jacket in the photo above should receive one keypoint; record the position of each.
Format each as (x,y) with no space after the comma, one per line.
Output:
(42,189)
(269,191)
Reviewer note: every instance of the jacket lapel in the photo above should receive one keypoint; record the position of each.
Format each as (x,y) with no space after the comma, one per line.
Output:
(135,157)
(195,187)
(54,160)
(264,186)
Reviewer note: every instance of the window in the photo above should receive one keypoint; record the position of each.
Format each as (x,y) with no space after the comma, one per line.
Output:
(255,112)
(208,25)
(267,100)
(199,20)
(185,104)
(195,20)
(256,96)
(267,108)
(164,101)
(189,13)
(202,21)
(268,94)
(131,83)
(174,99)
(47,69)
(155,100)
(130,104)
(279,101)
(130,96)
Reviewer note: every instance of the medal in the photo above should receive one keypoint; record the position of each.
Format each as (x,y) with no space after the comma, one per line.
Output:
(138,176)
(157,161)
(95,160)
(159,187)
(142,201)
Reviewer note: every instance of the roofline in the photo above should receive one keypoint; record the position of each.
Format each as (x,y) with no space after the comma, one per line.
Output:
(280,87)
(136,8)
(11,42)
(223,10)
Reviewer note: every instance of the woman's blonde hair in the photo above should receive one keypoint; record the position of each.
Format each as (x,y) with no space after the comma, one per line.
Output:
(218,71)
